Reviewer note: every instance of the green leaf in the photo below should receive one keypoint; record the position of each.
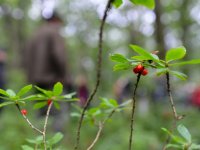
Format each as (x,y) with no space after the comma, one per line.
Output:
(75,114)
(39,105)
(179,75)
(117,3)
(145,54)
(3,92)
(24,90)
(140,58)
(26,147)
(124,66)
(194,146)
(69,96)
(57,89)
(190,62)
(94,111)
(174,138)
(6,103)
(184,133)
(148,3)
(57,105)
(161,71)
(111,103)
(118,58)
(40,89)
(173,146)
(39,139)
(56,138)
(11,93)
(175,54)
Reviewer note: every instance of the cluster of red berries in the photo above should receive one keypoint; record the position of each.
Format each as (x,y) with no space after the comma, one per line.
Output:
(24,112)
(140,69)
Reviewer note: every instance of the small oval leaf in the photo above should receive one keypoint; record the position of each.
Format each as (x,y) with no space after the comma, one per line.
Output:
(175,54)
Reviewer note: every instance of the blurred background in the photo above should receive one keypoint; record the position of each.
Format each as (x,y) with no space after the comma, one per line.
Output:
(172,23)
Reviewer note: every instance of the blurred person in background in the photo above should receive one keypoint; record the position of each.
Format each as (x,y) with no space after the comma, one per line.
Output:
(2,70)
(45,60)
(82,90)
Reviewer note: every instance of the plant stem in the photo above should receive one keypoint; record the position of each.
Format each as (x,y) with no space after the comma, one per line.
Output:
(170,97)
(133,111)
(27,120)
(101,125)
(45,125)
(98,75)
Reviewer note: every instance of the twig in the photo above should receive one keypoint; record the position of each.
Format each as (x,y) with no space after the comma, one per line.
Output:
(31,125)
(101,125)
(97,136)
(98,75)
(133,111)
(176,116)
(170,96)
(27,120)
(45,125)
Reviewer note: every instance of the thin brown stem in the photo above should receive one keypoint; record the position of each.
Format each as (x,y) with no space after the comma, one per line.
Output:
(27,120)
(170,96)
(97,136)
(133,111)
(101,125)
(176,116)
(98,75)
(45,125)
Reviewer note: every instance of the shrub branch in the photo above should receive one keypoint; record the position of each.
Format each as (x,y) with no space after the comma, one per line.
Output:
(98,75)
(133,111)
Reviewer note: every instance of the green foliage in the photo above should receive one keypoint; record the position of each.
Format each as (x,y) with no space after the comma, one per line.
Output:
(147,3)
(38,142)
(183,140)
(175,54)
(117,3)
(101,111)
(148,59)
(19,98)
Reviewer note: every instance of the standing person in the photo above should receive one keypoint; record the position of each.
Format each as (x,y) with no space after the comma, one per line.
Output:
(45,60)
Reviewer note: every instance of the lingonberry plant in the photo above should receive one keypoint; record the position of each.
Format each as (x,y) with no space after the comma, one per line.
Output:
(43,98)
(146,59)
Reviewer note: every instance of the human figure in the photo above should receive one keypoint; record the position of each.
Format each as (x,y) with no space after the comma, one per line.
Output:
(2,70)
(82,90)
(45,59)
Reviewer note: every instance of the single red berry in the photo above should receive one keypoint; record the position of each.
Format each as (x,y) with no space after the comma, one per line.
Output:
(144,72)
(24,112)
(49,101)
(138,69)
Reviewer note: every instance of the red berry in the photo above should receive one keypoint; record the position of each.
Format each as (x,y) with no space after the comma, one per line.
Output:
(138,69)
(144,72)
(49,101)
(24,112)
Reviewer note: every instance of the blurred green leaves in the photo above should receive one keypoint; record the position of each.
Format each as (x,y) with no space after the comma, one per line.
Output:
(55,95)
(182,141)
(147,3)
(148,59)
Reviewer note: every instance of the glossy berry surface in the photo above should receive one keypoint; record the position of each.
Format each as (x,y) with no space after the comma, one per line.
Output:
(24,112)
(144,72)
(49,101)
(138,69)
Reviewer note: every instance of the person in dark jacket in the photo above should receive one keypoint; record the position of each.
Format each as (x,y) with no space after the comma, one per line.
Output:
(45,55)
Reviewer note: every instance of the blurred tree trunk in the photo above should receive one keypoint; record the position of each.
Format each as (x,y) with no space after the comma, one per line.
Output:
(159,30)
